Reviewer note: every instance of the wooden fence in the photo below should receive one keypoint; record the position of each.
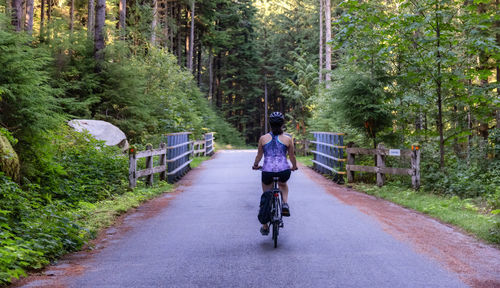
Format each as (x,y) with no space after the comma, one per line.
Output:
(173,158)
(301,147)
(329,153)
(204,147)
(381,152)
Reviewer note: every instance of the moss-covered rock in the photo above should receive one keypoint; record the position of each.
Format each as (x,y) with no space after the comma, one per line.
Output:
(9,161)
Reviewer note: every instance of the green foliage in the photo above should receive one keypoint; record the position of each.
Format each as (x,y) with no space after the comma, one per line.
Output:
(28,104)
(477,176)
(300,91)
(92,170)
(31,231)
(361,102)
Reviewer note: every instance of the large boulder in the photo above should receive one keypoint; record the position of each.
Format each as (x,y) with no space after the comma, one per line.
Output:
(102,130)
(9,161)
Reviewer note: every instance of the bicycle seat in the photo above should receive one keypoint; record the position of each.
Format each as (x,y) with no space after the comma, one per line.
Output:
(276,178)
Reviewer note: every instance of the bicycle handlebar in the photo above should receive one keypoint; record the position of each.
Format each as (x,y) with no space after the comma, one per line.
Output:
(260,168)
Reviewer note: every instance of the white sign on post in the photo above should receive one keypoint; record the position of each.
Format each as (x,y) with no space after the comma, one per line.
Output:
(394,152)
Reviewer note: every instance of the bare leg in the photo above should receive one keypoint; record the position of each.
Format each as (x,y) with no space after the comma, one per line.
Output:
(266,187)
(284,191)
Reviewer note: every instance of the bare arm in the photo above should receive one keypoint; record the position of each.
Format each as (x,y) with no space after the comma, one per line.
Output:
(291,155)
(260,153)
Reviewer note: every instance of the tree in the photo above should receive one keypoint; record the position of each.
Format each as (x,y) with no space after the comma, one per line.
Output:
(320,74)
(90,18)
(328,38)
(191,38)
(17,13)
(300,92)
(30,7)
(361,101)
(122,18)
(99,44)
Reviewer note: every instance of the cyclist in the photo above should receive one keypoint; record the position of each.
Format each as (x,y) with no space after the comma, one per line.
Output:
(274,147)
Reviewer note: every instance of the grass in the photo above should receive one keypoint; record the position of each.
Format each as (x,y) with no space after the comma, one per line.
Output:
(197,161)
(305,160)
(97,216)
(219,146)
(463,213)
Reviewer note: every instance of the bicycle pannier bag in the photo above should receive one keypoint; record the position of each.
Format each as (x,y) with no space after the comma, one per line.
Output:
(265,207)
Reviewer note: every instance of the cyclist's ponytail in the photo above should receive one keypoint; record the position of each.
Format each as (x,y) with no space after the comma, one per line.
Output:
(277,128)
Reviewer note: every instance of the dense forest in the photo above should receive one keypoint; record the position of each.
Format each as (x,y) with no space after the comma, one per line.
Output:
(401,72)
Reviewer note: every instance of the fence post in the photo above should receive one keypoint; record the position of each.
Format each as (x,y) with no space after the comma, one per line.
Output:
(132,160)
(163,161)
(170,153)
(350,161)
(186,158)
(209,142)
(380,164)
(149,165)
(415,165)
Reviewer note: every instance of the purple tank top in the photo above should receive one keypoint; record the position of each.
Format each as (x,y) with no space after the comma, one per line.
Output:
(275,155)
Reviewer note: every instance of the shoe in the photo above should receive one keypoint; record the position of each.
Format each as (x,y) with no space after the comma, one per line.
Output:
(285,210)
(264,231)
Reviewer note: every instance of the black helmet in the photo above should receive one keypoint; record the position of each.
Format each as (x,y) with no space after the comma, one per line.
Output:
(276,118)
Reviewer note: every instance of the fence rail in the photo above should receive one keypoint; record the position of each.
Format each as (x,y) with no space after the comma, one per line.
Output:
(329,153)
(173,158)
(381,152)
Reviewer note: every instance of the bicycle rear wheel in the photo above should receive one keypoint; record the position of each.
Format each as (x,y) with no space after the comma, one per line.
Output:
(276,227)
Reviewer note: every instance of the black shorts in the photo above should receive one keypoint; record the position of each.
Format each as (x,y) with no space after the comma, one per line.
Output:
(267,177)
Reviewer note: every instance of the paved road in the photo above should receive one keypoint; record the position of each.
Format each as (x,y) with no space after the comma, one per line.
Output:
(208,236)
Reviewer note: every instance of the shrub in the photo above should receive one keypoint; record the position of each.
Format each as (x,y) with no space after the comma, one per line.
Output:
(31,231)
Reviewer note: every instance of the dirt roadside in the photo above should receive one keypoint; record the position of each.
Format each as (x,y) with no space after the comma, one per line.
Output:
(476,263)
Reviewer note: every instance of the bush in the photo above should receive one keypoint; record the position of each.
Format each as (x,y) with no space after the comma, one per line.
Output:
(32,232)
(476,177)
(92,170)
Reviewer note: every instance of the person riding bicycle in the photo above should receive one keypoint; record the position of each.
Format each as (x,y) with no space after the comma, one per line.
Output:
(274,147)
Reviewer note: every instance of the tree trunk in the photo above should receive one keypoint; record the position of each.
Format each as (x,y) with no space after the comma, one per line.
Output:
(71,16)
(100,17)
(328,37)
(265,105)
(17,14)
(91,19)
(191,38)
(198,70)
(179,35)
(439,90)
(49,10)
(210,75)
(497,25)
(186,38)
(320,42)
(165,26)
(30,9)
(218,91)
(122,18)
(154,23)
(42,17)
